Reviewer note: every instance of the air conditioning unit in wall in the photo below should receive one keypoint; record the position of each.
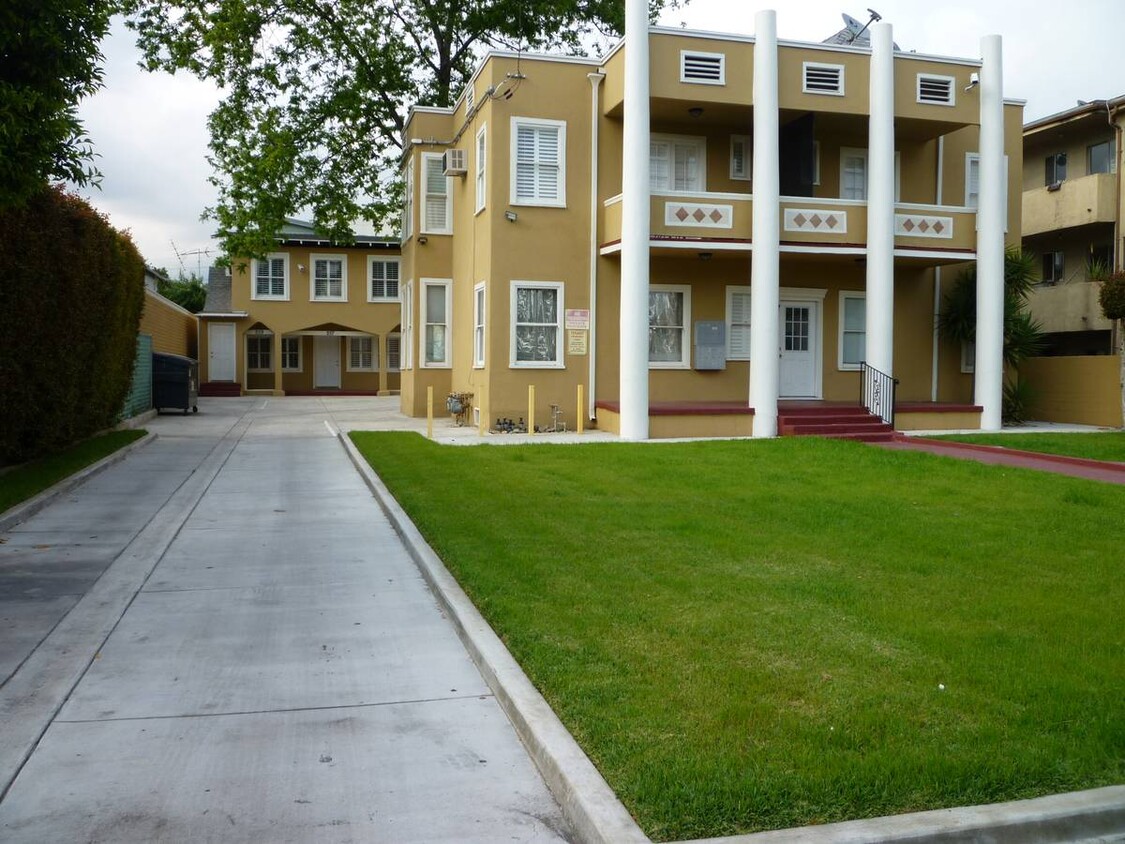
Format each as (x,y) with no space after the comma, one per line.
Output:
(453,162)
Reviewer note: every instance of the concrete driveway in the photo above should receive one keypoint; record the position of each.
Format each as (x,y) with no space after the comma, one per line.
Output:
(231,643)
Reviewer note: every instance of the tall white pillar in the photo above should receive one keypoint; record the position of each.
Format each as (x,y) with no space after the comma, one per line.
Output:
(635,227)
(881,202)
(989,366)
(765,262)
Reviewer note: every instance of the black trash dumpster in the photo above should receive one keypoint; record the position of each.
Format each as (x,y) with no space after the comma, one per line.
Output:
(175,382)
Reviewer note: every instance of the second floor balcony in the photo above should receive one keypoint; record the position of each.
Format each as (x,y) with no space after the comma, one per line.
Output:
(1070,203)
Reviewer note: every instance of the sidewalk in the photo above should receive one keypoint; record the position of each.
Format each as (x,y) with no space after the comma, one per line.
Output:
(261,661)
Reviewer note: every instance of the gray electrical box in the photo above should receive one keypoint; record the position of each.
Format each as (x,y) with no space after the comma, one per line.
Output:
(710,344)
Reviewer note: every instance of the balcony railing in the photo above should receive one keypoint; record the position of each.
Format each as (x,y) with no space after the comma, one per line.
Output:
(1075,202)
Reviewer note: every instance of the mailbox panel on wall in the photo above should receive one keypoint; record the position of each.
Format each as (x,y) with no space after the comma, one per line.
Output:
(710,345)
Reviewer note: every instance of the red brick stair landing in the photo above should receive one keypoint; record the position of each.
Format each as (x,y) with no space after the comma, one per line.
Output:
(221,389)
(842,422)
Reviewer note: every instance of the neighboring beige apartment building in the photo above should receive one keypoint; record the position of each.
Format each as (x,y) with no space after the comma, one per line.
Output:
(1072,212)
(312,317)
(848,178)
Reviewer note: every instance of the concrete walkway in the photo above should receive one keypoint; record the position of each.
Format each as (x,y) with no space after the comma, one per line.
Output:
(244,651)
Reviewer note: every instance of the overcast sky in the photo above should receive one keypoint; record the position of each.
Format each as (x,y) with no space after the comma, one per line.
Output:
(151,129)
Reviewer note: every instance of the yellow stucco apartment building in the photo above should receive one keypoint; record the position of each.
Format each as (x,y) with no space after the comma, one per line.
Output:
(697,234)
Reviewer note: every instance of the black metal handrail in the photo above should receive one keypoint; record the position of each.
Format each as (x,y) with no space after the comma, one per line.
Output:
(878,392)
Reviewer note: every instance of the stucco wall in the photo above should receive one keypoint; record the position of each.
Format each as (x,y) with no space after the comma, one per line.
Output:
(1081,390)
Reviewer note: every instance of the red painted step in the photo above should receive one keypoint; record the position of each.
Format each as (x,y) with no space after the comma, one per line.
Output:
(220,389)
(851,423)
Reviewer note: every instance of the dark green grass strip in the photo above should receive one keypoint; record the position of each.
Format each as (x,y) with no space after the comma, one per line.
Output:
(1107,445)
(30,479)
(755,635)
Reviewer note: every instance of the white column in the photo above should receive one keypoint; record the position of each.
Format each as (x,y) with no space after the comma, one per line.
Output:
(881,203)
(765,266)
(635,227)
(990,238)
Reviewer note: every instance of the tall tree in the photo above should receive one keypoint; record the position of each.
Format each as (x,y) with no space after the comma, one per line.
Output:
(316,92)
(49,60)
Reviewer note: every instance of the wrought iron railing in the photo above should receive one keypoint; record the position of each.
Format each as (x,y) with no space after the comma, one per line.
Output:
(878,392)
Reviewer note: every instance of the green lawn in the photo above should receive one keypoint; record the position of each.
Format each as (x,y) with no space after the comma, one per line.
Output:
(1106,445)
(754,635)
(29,479)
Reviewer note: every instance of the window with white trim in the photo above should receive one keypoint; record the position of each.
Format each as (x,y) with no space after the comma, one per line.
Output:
(669,318)
(329,278)
(436,313)
(382,279)
(972,180)
(291,354)
(259,347)
(740,150)
(408,325)
(738,323)
(363,354)
(408,202)
(481,166)
(478,324)
(536,319)
(823,79)
(677,163)
(853,329)
(702,68)
(936,90)
(853,173)
(437,199)
(538,162)
(271,276)
(394,352)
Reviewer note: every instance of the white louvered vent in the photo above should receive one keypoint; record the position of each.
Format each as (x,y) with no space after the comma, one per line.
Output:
(936,90)
(823,79)
(703,68)
(469,99)
(453,162)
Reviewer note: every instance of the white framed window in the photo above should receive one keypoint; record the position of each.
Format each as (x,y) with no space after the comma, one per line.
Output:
(820,78)
(481,167)
(972,179)
(408,202)
(538,162)
(702,68)
(363,354)
(968,356)
(394,352)
(677,163)
(382,279)
(853,173)
(407,322)
(328,278)
(436,314)
(536,319)
(669,321)
(478,325)
(259,349)
(852,348)
(270,276)
(936,90)
(738,322)
(740,162)
(291,354)
(437,198)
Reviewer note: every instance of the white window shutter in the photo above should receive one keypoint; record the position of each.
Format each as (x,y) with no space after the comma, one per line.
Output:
(740,324)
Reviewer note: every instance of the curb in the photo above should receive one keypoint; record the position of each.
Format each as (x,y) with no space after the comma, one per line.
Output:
(1106,465)
(588,803)
(596,815)
(24,511)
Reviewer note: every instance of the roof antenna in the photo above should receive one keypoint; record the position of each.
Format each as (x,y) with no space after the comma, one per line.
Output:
(854,32)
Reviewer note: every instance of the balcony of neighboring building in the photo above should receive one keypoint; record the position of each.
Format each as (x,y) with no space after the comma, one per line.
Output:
(1071,203)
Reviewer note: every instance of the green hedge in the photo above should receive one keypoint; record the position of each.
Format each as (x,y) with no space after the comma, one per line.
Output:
(71,293)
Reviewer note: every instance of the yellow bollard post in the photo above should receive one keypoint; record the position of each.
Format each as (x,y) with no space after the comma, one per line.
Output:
(429,413)
(531,408)
(581,410)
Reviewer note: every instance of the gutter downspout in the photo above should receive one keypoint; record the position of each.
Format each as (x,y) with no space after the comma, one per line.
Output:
(591,392)
(937,273)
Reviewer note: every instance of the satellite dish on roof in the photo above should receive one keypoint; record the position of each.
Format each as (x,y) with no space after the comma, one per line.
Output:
(854,33)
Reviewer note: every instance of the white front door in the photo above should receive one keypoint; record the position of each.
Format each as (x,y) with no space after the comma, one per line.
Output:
(326,353)
(799,340)
(220,351)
